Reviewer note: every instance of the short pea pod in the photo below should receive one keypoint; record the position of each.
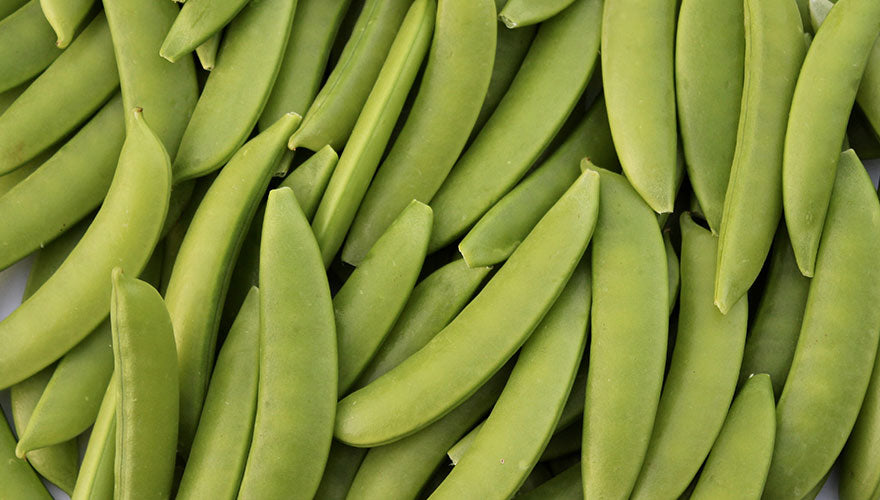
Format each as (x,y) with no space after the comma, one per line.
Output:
(546,88)
(753,203)
(195,23)
(17,477)
(207,52)
(630,322)
(483,336)
(737,465)
(76,298)
(27,45)
(297,387)
(96,473)
(702,377)
(860,461)
(564,486)
(343,463)
(517,13)
(65,16)
(837,343)
(449,97)
(310,179)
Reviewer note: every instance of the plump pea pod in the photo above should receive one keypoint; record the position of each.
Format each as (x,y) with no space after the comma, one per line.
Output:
(753,203)
(563,486)
(174,237)
(76,298)
(860,461)
(199,280)
(630,323)
(368,304)
(297,387)
(95,479)
(65,16)
(195,23)
(673,268)
(17,477)
(518,13)
(546,89)
(702,376)
(310,179)
(837,343)
(27,45)
(737,466)
(207,52)
(343,463)
(252,48)
(371,133)
(62,97)
(709,54)
(483,336)
(7,7)
(451,92)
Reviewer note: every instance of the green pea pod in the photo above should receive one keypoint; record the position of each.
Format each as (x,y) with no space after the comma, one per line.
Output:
(65,17)
(199,280)
(310,179)
(451,92)
(673,268)
(95,479)
(518,13)
(343,463)
(702,376)
(195,23)
(207,52)
(837,343)
(737,466)
(860,461)
(27,45)
(176,233)
(7,7)
(753,203)
(630,322)
(868,96)
(76,298)
(62,97)
(297,387)
(483,336)
(564,486)
(546,89)
(17,477)
(252,48)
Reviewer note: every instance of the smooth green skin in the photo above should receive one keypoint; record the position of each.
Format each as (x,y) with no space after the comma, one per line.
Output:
(27,45)
(195,23)
(175,234)
(310,179)
(373,129)
(251,51)
(7,97)
(95,479)
(199,280)
(709,61)
(77,297)
(565,485)
(370,301)
(7,7)
(483,336)
(220,448)
(332,115)
(702,376)
(449,98)
(308,49)
(546,88)
(673,268)
(145,362)
(837,343)
(61,98)
(630,323)
(860,461)
(65,16)
(737,466)
(207,52)
(343,464)
(17,477)
(298,369)
(753,203)
(518,13)
(774,330)
(522,421)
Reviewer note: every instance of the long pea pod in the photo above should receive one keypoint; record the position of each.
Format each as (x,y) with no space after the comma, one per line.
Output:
(310,179)
(195,23)
(518,13)
(96,473)
(860,460)
(175,234)
(17,477)
(343,463)
(27,45)
(65,16)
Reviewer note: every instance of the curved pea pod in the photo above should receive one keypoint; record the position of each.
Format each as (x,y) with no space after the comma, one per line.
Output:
(518,13)
(753,203)
(298,369)
(564,486)
(343,463)
(837,343)
(17,477)
(207,52)
(252,48)
(449,97)
(200,279)
(27,45)
(310,179)
(702,376)
(195,23)
(737,465)
(630,323)
(65,16)
(860,461)
(483,336)
(551,79)
(7,7)
(96,473)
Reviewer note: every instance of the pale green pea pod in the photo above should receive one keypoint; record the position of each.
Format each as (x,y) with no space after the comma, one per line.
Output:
(65,16)
(310,179)
(17,477)
(563,486)
(475,345)
(27,45)
(207,52)
(518,13)
(195,23)
(95,479)
(673,268)
(343,463)
(7,7)
(860,461)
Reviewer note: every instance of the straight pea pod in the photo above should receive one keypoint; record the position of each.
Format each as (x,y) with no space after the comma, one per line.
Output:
(97,471)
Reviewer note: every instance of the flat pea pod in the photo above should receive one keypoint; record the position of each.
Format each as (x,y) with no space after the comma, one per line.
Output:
(297,387)
(251,51)
(207,52)
(76,298)
(7,7)
(674,270)
(702,376)
(551,79)
(518,13)
(343,463)
(753,203)
(837,343)
(859,470)
(483,336)
(195,23)
(564,486)
(630,323)
(371,132)
(62,97)
(96,473)
(27,45)
(199,280)
(446,105)
(737,465)
(65,17)
(17,477)
(310,179)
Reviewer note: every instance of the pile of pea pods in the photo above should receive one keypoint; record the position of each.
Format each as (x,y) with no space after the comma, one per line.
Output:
(446,249)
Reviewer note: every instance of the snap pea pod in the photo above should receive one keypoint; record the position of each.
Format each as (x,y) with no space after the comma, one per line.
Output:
(546,89)
(7,7)
(27,45)
(630,322)
(446,105)
(518,13)
(310,179)
(65,16)
(673,268)
(65,95)
(483,336)
(753,203)
(76,298)
(95,479)
(837,343)
(859,470)
(174,237)
(565,485)
(17,477)
(199,280)
(565,441)
(297,387)
(195,23)
(207,52)
(868,96)
(343,463)
(737,465)
(252,48)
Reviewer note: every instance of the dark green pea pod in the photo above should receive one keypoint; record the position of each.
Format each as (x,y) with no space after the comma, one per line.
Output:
(564,486)
(518,13)
(343,463)
(17,477)
(564,442)
(65,17)
(673,268)
(27,45)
